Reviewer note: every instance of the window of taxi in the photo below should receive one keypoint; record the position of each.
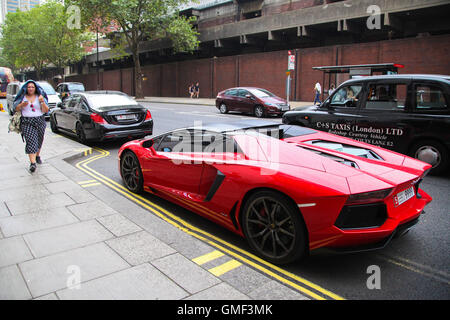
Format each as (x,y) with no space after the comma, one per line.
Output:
(386,96)
(430,98)
(347,96)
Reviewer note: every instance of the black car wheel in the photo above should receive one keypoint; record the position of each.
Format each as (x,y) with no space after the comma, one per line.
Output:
(259,111)
(274,228)
(431,152)
(81,136)
(223,108)
(53,125)
(131,172)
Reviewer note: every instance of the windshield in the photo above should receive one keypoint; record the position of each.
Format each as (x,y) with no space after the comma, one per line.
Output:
(110,100)
(76,87)
(261,93)
(47,88)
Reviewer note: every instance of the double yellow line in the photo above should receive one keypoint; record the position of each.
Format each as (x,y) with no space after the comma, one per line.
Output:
(300,284)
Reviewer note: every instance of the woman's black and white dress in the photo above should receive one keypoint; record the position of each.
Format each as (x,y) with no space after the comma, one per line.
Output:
(33,126)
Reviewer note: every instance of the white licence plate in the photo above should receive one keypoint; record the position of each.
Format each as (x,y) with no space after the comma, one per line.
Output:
(403,196)
(284,108)
(126,117)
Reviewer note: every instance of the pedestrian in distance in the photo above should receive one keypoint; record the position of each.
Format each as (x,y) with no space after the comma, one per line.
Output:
(32,102)
(191,90)
(331,90)
(197,90)
(317,92)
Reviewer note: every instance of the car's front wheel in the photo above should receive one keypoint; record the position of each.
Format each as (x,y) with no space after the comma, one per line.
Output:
(131,172)
(274,228)
(53,125)
(259,111)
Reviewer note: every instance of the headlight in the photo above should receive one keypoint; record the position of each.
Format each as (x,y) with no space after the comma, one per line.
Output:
(271,104)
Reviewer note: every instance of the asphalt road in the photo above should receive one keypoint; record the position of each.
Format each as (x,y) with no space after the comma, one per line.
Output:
(415,266)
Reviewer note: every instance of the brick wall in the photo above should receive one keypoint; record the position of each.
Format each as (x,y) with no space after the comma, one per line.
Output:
(419,55)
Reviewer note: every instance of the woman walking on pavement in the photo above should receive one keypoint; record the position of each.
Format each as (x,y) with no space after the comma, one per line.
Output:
(31,101)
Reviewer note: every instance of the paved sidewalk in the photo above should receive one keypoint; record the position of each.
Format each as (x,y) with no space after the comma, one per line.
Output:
(62,237)
(209,102)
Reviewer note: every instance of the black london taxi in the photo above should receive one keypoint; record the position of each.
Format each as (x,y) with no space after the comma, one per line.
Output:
(409,114)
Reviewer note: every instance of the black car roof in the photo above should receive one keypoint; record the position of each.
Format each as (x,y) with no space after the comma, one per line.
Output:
(435,77)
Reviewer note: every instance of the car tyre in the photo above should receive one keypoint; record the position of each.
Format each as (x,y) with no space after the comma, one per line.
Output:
(432,152)
(274,227)
(223,108)
(131,172)
(53,125)
(81,135)
(259,112)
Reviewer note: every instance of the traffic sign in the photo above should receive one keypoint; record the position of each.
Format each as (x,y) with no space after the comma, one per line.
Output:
(291,62)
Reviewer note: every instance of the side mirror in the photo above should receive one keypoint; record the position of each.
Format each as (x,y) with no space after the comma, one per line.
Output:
(60,105)
(248,96)
(326,104)
(147,143)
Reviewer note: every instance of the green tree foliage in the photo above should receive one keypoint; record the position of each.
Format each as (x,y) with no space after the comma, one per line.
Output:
(41,36)
(141,20)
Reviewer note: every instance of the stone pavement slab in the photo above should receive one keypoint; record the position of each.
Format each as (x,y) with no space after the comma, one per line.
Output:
(143,282)
(52,273)
(35,221)
(222,291)
(51,241)
(12,284)
(186,273)
(39,203)
(91,210)
(13,250)
(118,225)
(140,247)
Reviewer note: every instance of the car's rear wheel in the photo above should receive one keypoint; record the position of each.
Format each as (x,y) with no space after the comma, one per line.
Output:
(259,111)
(431,152)
(274,228)
(131,172)
(223,108)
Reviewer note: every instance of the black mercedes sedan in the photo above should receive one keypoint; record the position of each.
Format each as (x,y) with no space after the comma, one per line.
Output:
(101,115)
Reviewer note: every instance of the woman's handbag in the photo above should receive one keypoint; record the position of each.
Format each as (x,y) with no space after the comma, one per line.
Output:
(14,123)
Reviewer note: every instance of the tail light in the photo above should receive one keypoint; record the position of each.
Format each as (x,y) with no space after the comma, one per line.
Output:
(97,118)
(368,197)
(148,115)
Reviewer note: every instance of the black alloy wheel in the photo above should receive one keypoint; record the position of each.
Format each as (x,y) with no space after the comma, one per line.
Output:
(274,227)
(131,172)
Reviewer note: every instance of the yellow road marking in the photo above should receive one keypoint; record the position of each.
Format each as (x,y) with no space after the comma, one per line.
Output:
(87,181)
(208,257)
(91,185)
(186,227)
(224,268)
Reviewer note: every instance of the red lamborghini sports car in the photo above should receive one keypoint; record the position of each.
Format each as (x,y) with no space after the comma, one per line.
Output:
(286,189)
